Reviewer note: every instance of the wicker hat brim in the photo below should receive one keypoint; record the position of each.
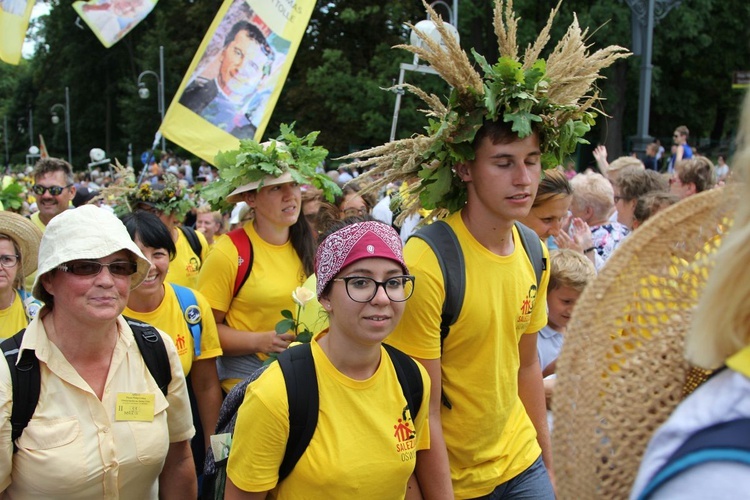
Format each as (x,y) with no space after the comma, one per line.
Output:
(26,235)
(622,370)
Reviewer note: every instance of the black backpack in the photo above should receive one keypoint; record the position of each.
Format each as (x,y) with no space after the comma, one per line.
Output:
(193,240)
(301,382)
(26,376)
(444,243)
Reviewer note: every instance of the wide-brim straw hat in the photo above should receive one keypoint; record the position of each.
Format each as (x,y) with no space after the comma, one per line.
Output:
(622,369)
(86,232)
(269,180)
(26,235)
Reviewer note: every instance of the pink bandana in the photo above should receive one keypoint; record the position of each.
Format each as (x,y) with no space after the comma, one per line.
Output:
(356,242)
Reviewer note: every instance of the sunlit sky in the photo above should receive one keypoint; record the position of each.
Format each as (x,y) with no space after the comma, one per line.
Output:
(40,9)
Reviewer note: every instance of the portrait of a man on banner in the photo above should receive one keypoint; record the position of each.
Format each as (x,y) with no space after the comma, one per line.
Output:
(236,74)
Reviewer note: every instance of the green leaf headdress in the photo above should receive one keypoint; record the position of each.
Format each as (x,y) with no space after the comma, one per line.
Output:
(553,97)
(168,196)
(255,164)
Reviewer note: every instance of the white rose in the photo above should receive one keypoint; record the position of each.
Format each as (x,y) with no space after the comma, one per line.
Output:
(302,296)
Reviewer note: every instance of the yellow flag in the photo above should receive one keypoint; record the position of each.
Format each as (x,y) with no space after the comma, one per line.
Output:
(234,81)
(110,20)
(14,21)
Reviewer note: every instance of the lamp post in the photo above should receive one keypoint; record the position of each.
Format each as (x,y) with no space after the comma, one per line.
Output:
(56,120)
(144,93)
(427,27)
(645,15)
(5,140)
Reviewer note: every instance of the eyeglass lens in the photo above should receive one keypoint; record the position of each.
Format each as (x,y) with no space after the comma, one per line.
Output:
(364,289)
(92,267)
(8,260)
(355,212)
(53,190)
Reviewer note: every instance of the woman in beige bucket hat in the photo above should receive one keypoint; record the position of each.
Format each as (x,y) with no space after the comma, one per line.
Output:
(101,427)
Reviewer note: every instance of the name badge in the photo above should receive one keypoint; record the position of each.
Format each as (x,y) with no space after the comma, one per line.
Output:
(133,406)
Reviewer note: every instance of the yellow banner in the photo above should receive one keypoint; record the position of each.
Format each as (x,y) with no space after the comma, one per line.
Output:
(14,21)
(110,20)
(232,85)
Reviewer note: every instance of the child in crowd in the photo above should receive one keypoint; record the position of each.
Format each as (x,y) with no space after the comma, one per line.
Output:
(570,272)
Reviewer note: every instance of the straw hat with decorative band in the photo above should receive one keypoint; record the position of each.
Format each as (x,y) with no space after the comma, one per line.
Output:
(26,235)
(622,370)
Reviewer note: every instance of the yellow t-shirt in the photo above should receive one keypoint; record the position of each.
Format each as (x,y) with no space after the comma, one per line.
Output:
(364,445)
(13,319)
(169,318)
(184,268)
(313,316)
(276,272)
(489,437)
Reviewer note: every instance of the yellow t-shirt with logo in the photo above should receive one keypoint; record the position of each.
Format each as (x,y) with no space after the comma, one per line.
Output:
(276,272)
(489,437)
(364,445)
(169,318)
(184,268)
(13,319)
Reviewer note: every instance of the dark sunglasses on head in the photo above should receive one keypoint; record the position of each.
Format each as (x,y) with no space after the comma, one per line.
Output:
(53,190)
(93,267)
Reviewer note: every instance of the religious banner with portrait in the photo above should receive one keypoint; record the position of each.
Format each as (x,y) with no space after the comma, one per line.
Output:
(110,20)
(14,21)
(232,85)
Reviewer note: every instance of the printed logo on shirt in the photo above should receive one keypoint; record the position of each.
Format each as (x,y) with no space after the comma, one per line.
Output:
(181,344)
(193,266)
(405,435)
(527,307)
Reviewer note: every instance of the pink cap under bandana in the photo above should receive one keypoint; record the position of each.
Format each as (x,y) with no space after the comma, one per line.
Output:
(355,242)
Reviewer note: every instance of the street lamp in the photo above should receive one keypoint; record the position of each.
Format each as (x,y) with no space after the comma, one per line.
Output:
(427,27)
(144,93)
(645,15)
(56,120)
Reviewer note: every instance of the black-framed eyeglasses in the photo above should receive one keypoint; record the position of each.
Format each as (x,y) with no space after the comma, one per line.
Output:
(94,267)
(53,190)
(9,260)
(363,289)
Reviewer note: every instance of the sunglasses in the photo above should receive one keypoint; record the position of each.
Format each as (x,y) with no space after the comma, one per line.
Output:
(53,190)
(93,267)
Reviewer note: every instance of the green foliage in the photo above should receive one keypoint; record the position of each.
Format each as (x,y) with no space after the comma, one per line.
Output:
(345,60)
(11,195)
(254,161)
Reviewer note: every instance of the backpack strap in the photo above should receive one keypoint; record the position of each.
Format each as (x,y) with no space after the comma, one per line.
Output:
(154,353)
(725,442)
(444,243)
(193,240)
(192,314)
(532,244)
(26,381)
(244,257)
(409,377)
(298,367)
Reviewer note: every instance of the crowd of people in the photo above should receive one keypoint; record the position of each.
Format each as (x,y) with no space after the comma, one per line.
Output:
(131,311)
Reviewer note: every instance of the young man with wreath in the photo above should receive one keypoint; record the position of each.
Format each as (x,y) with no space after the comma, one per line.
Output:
(480,165)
